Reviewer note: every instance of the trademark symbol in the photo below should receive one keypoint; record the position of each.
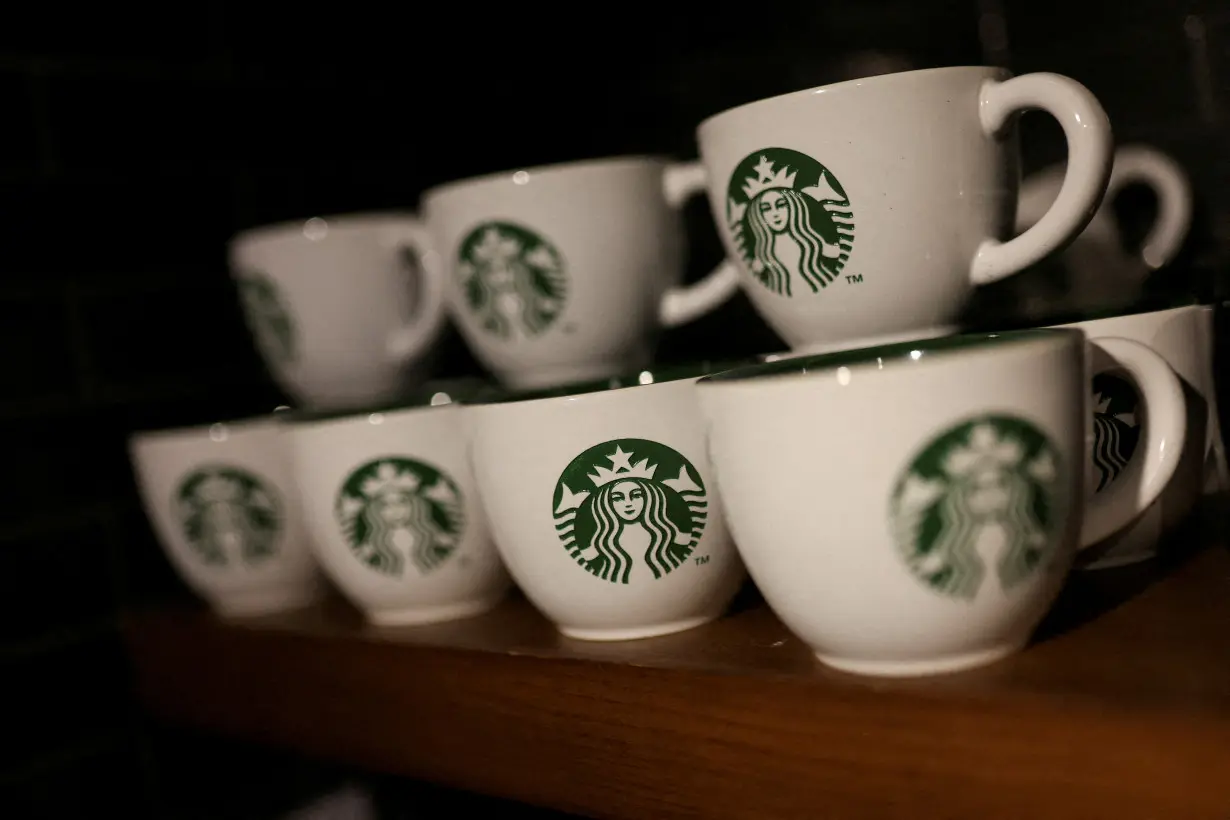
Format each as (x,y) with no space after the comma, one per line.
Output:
(855,279)
(704,559)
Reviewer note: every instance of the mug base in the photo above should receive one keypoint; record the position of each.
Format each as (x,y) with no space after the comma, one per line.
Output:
(266,602)
(635,633)
(872,341)
(920,667)
(546,377)
(421,616)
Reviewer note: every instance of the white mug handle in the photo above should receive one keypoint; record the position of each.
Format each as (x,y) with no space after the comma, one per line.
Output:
(1162,436)
(681,305)
(1140,163)
(1089,162)
(409,341)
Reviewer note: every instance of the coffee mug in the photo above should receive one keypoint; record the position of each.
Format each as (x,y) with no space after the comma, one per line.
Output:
(341,309)
(224,507)
(1094,272)
(867,211)
(1182,337)
(914,508)
(567,272)
(393,511)
(604,508)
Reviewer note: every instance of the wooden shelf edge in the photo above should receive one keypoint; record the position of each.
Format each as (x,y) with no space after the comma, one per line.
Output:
(619,739)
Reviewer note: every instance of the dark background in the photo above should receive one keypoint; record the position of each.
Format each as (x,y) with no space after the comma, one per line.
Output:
(134,141)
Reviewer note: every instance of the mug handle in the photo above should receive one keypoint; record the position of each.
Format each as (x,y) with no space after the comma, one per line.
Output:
(681,305)
(1163,434)
(1140,163)
(408,341)
(1089,162)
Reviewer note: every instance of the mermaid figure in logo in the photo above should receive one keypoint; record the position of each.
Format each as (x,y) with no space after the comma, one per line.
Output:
(398,525)
(784,243)
(987,513)
(630,517)
(225,526)
(512,291)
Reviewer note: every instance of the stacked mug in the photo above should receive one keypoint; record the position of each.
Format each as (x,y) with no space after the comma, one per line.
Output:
(908,500)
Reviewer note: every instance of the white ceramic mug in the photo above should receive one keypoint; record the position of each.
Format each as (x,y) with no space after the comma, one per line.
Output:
(224,507)
(604,508)
(868,210)
(1183,338)
(1097,273)
(341,310)
(567,272)
(914,508)
(393,511)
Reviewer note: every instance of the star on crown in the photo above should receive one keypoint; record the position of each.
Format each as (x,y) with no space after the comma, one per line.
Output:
(768,176)
(621,467)
(388,479)
(218,488)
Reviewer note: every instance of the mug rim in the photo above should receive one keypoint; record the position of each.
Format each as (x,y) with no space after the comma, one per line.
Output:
(197,430)
(896,354)
(444,188)
(419,400)
(875,79)
(293,228)
(664,374)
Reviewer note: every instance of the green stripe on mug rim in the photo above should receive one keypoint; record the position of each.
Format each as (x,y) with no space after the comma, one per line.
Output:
(639,378)
(897,352)
(436,393)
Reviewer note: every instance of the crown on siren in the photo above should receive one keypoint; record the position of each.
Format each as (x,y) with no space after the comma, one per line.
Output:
(768,176)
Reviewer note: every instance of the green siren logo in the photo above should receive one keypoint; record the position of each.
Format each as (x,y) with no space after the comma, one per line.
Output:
(512,279)
(267,314)
(628,501)
(230,517)
(790,220)
(1116,430)
(984,493)
(396,510)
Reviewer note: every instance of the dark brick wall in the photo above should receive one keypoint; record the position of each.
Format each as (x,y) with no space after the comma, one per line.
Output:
(133,142)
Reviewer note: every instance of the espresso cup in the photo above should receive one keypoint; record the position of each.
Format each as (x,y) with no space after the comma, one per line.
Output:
(567,272)
(603,505)
(393,511)
(1183,338)
(914,508)
(223,505)
(867,211)
(345,310)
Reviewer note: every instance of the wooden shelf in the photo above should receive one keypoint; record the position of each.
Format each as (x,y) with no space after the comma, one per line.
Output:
(1121,709)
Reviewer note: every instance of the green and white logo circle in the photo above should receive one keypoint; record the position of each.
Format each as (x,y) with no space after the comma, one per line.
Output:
(790,220)
(230,516)
(396,511)
(630,503)
(267,315)
(982,493)
(1116,428)
(512,278)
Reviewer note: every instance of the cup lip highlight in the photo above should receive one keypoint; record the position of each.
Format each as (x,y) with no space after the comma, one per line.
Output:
(874,79)
(293,229)
(574,391)
(880,357)
(196,431)
(507,175)
(455,392)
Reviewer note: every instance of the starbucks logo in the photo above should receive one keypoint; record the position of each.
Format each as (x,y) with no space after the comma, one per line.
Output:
(981,494)
(790,220)
(512,279)
(267,314)
(1116,430)
(229,516)
(396,510)
(626,503)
